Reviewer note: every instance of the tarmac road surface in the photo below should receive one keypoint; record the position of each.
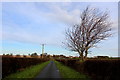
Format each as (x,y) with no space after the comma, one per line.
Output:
(50,71)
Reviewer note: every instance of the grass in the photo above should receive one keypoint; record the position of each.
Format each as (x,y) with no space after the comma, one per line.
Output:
(29,72)
(67,72)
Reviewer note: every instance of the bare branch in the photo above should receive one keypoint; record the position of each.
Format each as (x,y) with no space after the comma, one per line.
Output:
(94,27)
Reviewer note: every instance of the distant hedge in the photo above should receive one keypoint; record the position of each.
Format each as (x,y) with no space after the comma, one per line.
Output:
(11,64)
(97,69)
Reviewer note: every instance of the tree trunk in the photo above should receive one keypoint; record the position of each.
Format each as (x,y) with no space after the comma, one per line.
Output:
(82,57)
(86,52)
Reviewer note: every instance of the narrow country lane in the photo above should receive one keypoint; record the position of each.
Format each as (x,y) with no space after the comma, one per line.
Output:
(50,71)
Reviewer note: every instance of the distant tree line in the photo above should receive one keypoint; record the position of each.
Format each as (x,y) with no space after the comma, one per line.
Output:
(29,55)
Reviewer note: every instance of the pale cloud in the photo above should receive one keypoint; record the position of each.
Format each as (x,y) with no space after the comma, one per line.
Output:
(60,0)
(13,31)
(58,13)
(115,25)
(64,16)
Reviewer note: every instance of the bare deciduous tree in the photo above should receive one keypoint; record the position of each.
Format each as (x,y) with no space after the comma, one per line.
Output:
(94,27)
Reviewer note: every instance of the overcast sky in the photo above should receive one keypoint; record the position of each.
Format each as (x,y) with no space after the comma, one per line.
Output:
(27,25)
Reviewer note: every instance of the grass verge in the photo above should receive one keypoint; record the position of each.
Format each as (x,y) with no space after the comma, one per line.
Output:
(67,72)
(29,72)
